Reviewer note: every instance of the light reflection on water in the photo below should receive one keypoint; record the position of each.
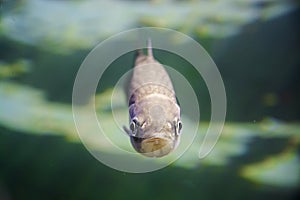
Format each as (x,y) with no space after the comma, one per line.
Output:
(265,153)
(80,24)
(35,115)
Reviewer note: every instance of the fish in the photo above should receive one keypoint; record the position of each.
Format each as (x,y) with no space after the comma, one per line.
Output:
(154,113)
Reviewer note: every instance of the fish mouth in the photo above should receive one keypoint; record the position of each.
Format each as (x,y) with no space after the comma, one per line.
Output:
(156,146)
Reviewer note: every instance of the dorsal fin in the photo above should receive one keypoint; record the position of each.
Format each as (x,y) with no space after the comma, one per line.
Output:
(149,47)
(141,57)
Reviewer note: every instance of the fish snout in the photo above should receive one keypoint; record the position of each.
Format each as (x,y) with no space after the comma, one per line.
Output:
(155,146)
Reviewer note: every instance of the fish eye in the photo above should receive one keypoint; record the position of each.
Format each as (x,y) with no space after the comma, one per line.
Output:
(178,127)
(133,126)
(135,121)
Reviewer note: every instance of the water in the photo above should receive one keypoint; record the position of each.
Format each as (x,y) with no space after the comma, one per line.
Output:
(256,51)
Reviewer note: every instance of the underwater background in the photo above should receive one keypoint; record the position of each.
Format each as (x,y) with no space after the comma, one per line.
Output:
(255,45)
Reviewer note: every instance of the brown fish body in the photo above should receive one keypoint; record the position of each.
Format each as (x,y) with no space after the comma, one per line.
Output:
(153,110)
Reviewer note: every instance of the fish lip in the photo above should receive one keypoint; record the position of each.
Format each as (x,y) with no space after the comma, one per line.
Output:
(156,146)
(162,134)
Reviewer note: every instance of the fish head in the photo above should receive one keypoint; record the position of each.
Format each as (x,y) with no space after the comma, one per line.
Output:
(157,134)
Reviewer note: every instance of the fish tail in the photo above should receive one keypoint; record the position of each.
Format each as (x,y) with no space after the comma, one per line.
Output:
(149,46)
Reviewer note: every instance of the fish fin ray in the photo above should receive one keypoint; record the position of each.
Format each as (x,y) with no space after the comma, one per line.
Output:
(127,130)
(149,47)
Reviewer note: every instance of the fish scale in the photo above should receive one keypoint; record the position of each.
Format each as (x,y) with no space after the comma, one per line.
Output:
(150,72)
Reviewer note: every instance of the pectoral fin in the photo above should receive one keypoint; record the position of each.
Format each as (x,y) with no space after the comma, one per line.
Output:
(127,130)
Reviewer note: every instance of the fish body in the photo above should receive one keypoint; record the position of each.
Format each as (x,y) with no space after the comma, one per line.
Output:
(154,125)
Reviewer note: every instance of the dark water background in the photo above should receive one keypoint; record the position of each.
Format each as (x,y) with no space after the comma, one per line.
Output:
(259,65)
